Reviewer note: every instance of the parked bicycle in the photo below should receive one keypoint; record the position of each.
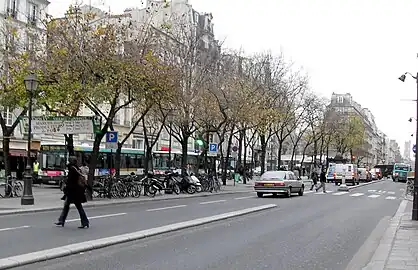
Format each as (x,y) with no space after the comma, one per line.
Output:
(10,188)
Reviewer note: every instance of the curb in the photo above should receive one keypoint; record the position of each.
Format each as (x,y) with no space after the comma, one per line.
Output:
(382,252)
(107,203)
(58,252)
(367,183)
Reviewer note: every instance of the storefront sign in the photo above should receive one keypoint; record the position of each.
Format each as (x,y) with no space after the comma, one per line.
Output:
(63,125)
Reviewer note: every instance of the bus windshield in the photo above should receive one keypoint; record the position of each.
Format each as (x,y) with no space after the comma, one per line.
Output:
(53,161)
(401,167)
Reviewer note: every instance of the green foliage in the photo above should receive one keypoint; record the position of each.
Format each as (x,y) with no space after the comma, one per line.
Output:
(349,134)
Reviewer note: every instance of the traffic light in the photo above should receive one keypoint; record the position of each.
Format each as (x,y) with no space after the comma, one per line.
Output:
(199,140)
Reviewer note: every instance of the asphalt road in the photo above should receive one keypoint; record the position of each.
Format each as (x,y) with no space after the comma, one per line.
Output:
(316,231)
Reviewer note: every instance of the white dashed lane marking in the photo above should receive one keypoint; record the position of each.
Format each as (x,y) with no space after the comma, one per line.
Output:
(356,194)
(374,196)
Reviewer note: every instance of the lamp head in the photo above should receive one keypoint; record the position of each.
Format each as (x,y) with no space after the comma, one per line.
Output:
(410,119)
(402,78)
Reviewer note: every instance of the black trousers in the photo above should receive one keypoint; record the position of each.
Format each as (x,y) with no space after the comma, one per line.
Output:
(81,212)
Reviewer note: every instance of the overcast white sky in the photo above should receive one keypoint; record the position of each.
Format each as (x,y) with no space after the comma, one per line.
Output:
(355,46)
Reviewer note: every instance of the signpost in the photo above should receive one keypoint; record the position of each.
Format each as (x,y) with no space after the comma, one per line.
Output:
(112,140)
(111,143)
(213,150)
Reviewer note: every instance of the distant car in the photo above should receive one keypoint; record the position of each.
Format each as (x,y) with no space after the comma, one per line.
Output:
(278,182)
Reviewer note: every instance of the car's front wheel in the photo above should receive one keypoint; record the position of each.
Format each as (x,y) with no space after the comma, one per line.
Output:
(300,193)
(259,195)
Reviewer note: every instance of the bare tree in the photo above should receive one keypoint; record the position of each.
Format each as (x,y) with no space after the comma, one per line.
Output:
(182,43)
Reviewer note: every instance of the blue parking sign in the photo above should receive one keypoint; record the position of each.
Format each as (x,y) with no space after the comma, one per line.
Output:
(112,137)
(213,147)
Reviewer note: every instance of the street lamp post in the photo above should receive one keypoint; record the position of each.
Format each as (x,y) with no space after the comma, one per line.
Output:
(31,83)
(415,202)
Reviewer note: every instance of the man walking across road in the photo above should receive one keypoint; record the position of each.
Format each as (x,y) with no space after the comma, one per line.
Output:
(314,177)
(322,179)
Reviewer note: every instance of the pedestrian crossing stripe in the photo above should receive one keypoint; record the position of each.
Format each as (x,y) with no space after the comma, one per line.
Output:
(391,192)
(356,194)
(320,192)
(340,193)
(374,196)
(390,198)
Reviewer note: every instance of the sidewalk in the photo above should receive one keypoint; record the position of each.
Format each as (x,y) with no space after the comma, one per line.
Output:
(398,248)
(47,198)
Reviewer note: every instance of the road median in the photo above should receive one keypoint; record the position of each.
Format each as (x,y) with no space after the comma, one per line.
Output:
(39,256)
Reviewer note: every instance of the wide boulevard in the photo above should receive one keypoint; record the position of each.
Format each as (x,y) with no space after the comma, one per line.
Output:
(315,231)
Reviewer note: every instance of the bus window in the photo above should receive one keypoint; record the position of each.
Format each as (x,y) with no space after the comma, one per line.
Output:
(53,160)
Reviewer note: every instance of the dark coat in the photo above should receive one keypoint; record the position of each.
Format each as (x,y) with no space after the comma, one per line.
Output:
(75,193)
(323,177)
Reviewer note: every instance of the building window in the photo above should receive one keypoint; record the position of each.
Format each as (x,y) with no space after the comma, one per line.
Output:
(32,13)
(137,142)
(340,99)
(12,6)
(8,117)
(29,42)
(116,119)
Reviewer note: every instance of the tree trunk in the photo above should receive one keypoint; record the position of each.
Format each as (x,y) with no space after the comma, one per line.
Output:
(69,141)
(118,159)
(240,139)
(279,154)
(228,153)
(245,160)
(93,163)
(184,150)
(263,143)
(6,157)
(293,156)
(148,164)
(206,153)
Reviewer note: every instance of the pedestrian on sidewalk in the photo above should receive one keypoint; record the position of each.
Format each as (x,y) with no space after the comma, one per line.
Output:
(322,180)
(75,193)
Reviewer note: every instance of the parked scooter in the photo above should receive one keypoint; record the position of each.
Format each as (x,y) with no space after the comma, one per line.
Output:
(172,182)
(196,182)
(188,184)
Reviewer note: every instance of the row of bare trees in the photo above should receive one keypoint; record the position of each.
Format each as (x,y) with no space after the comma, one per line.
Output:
(160,72)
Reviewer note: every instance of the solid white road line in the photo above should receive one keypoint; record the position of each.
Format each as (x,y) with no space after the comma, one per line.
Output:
(243,198)
(218,201)
(356,194)
(165,208)
(96,217)
(374,196)
(390,198)
(14,228)
(391,192)
(340,193)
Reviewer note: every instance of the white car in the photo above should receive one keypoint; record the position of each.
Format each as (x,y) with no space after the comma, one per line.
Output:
(279,182)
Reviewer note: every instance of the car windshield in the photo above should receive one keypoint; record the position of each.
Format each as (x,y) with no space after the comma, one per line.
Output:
(273,175)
